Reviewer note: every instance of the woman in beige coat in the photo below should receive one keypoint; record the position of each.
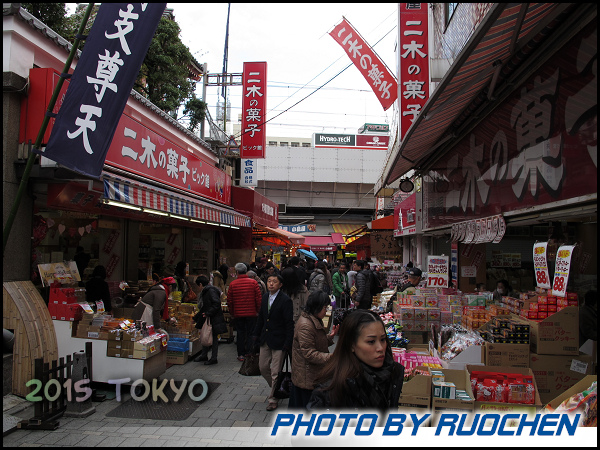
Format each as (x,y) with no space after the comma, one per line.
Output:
(310,348)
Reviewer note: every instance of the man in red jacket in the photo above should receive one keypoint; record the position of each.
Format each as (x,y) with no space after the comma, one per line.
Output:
(243,300)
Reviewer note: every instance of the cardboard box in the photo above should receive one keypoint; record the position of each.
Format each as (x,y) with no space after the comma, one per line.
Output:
(578,387)
(501,407)
(471,355)
(416,398)
(558,334)
(177,357)
(556,373)
(512,355)
(439,405)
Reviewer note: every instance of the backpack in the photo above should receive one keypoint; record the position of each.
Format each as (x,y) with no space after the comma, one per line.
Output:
(376,287)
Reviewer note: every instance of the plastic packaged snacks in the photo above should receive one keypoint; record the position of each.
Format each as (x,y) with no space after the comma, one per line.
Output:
(585,402)
(455,339)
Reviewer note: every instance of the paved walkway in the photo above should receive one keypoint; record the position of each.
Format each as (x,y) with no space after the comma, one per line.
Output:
(234,415)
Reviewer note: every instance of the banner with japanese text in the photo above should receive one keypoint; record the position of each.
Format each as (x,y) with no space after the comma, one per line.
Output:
(138,149)
(365,59)
(562,270)
(254,109)
(414,63)
(540,264)
(101,84)
(248,175)
(437,271)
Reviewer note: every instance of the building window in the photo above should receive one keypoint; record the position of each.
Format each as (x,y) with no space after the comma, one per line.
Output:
(450,8)
(306,144)
(283,144)
(273,143)
(295,144)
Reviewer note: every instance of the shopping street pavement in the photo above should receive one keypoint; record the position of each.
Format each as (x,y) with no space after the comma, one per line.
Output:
(233,415)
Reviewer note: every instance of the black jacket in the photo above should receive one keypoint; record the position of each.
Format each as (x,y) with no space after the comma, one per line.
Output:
(97,289)
(211,306)
(360,392)
(275,327)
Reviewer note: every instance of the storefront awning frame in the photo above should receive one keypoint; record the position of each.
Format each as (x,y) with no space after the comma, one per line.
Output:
(287,239)
(467,93)
(151,198)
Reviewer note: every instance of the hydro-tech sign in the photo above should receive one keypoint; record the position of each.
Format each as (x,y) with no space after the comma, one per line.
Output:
(351,140)
(327,140)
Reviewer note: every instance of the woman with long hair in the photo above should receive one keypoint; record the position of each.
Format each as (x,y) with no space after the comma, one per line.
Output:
(295,289)
(361,373)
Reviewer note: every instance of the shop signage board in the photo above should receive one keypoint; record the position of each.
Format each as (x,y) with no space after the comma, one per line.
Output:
(536,150)
(142,151)
(405,218)
(414,63)
(437,271)
(254,109)
(540,263)
(369,64)
(360,141)
(248,177)
(374,128)
(562,270)
(101,84)
(61,272)
(479,231)
(305,228)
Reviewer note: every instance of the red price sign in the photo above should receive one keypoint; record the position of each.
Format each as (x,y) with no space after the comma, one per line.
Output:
(436,281)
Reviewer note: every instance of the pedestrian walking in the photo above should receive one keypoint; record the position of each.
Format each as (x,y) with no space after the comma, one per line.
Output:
(362,298)
(209,304)
(295,289)
(310,348)
(274,332)
(243,300)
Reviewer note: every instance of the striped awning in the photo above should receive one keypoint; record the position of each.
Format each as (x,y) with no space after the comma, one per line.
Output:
(506,29)
(136,193)
(346,228)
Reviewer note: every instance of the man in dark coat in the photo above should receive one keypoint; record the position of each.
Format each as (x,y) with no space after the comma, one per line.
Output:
(363,298)
(274,332)
(209,302)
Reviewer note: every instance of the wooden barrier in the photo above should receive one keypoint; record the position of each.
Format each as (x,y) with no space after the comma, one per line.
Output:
(25,312)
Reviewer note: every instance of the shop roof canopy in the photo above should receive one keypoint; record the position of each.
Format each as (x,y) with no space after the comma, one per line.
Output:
(152,198)
(385,223)
(487,59)
(277,236)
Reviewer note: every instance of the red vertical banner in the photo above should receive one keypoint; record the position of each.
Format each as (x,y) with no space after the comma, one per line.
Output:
(365,59)
(414,63)
(254,108)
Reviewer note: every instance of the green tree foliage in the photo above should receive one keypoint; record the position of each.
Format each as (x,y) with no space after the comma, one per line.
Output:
(164,77)
(52,14)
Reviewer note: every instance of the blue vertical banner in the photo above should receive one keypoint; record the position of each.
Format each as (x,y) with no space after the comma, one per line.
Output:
(101,84)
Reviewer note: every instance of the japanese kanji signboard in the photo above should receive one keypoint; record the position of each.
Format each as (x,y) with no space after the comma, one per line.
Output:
(365,59)
(254,108)
(140,150)
(101,84)
(414,63)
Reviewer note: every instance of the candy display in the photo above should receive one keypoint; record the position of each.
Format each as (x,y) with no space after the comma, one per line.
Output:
(503,387)
(413,359)
(393,330)
(454,339)
(506,330)
(585,403)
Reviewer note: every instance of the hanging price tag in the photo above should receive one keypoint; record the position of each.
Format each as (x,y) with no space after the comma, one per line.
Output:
(540,263)
(87,308)
(100,307)
(562,269)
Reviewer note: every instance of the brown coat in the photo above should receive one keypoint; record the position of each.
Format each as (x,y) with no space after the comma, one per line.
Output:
(310,350)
